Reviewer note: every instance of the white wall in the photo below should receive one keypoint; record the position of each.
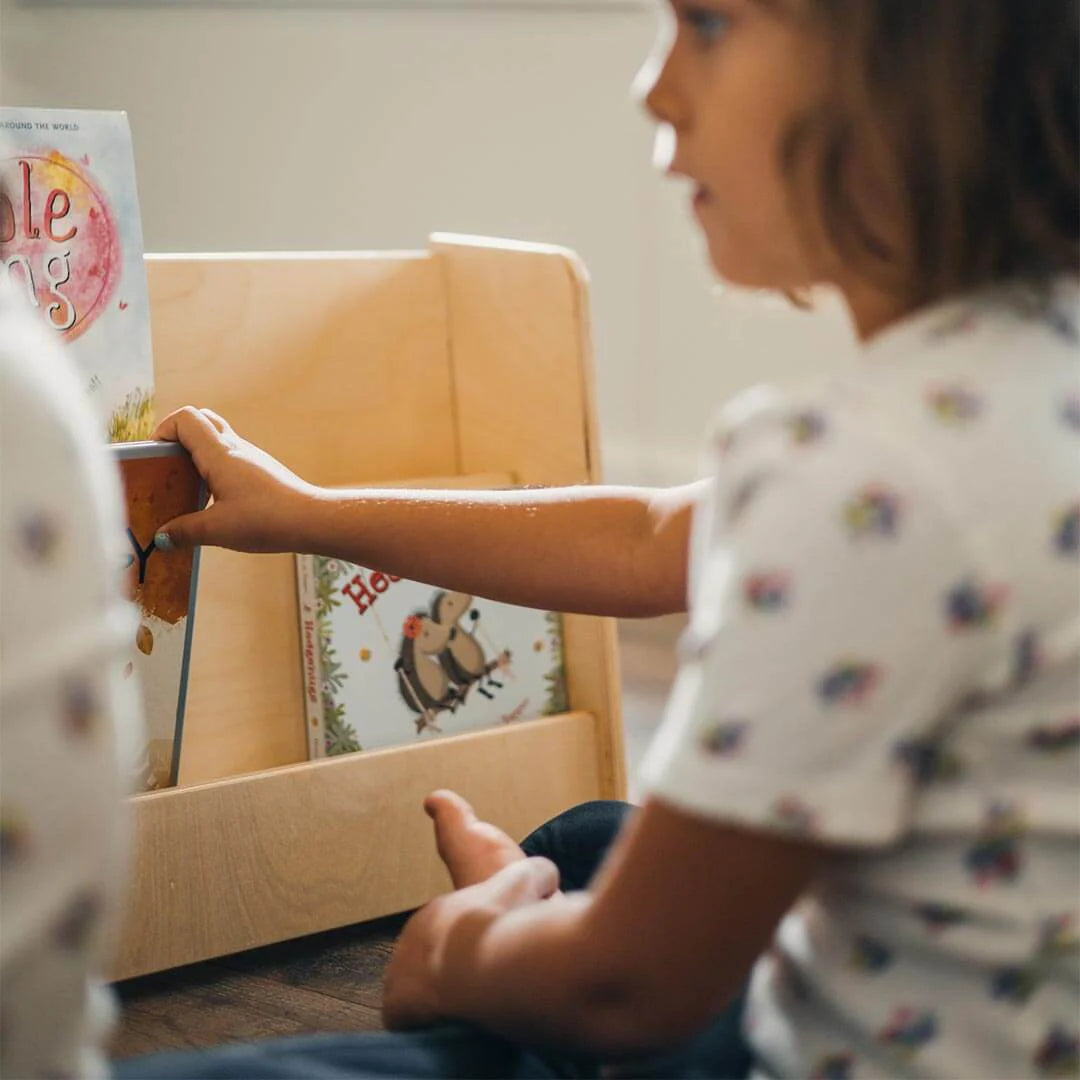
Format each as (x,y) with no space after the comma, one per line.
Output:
(304,125)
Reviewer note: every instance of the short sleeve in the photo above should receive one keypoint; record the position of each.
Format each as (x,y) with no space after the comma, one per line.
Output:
(835,617)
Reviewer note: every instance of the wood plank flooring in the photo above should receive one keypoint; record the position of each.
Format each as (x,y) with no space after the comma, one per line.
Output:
(323,983)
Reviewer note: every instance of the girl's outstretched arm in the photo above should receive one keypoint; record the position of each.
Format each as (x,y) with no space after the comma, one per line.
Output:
(618,551)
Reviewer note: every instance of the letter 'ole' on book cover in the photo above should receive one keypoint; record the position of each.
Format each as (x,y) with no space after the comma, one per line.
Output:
(71,242)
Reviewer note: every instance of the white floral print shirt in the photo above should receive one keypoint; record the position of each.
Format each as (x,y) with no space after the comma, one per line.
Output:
(882,656)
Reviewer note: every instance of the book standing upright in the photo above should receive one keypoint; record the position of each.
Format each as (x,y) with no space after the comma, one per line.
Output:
(71,242)
(387,661)
(160,483)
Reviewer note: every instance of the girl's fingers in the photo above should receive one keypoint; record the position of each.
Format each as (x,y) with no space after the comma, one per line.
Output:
(190,530)
(523,882)
(218,421)
(449,806)
(190,427)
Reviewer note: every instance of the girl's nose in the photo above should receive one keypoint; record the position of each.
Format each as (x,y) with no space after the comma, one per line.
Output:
(654,87)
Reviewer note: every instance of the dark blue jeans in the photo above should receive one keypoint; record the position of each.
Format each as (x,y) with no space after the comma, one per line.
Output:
(576,842)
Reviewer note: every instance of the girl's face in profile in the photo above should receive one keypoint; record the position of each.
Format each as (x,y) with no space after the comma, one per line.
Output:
(725,80)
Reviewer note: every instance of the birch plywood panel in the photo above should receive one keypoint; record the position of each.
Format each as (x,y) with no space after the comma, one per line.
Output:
(337,365)
(521,353)
(247,861)
(521,357)
(245,706)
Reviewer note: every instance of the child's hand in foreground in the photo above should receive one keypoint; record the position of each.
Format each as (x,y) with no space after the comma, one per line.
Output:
(257,501)
(490,873)
(416,991)
(473,850)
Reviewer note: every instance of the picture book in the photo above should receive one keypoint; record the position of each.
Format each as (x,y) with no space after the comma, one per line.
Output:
(388,661)
(71,241)
(160,482)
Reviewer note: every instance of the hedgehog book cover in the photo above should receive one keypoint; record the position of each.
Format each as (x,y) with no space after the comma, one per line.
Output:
(387,661)
(160,482)
(72,243)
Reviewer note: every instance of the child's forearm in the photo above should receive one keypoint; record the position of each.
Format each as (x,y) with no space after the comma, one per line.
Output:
(515,974)
(529,975)
(616,551)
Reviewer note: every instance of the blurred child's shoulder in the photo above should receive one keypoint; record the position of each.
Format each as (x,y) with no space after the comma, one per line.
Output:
(1003,358)
(991,334)
(1000,355)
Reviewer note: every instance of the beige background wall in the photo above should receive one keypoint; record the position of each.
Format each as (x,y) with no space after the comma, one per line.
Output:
(270,126)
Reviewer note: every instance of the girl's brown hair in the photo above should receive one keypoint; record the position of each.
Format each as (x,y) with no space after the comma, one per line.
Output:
(965,113)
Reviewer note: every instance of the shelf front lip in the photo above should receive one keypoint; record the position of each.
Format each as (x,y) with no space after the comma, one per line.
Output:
(248,860)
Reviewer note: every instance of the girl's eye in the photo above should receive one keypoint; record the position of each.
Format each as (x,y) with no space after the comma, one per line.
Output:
(707,24)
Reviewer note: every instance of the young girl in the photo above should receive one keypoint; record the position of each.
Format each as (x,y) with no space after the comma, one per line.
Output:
(864,790)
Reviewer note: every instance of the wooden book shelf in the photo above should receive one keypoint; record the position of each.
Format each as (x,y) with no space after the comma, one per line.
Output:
(470,358)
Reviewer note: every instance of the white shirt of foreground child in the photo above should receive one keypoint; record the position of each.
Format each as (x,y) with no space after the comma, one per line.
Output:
(68,718)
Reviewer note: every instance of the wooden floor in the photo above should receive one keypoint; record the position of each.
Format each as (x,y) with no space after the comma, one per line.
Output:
(323,983)
(333,981)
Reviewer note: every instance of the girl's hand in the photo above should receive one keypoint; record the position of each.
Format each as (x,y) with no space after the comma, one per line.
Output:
(472,850)
(257,502)
(413,993)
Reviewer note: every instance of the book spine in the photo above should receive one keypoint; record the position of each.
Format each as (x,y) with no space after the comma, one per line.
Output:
(311,665)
